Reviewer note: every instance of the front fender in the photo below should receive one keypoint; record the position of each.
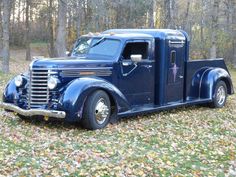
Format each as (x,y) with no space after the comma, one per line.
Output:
(75,94)
(10,94)
(210,79)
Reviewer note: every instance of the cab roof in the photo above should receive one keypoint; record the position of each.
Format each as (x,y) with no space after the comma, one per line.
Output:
(155,33)
(126,35)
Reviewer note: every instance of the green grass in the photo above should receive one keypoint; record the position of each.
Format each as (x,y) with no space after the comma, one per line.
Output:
(39,44)
(192,141)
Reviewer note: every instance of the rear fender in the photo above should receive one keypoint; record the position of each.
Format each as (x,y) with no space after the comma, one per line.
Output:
(209,80)
(76,92)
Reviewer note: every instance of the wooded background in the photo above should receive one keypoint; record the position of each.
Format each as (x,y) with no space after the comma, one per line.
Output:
(211,24)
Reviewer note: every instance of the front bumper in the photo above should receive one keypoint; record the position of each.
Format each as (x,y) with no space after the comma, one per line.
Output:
(33,112)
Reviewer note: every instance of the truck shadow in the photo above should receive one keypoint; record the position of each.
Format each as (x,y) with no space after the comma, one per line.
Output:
(53,123)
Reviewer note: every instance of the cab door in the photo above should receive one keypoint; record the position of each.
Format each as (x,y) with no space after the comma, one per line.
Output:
(175,71)
(136,80)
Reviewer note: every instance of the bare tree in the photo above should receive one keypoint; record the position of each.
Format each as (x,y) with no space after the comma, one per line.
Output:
(79,15)
(1,42)
(27,30)
(60,45)
(5,28)
(151,14)
(234,33)
(169,13)
(186,20)
(50,27)
(214,27)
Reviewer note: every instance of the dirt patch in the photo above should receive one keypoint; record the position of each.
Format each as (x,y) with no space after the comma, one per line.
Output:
(17,58)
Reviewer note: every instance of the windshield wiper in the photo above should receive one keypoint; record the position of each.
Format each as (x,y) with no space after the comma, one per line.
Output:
(98,42)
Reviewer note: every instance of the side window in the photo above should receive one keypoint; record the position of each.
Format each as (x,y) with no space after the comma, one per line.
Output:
(173,57)
(135,48)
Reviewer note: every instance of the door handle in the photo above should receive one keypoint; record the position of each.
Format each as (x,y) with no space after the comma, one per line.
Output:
(148,66)
(181,77)
(126,63)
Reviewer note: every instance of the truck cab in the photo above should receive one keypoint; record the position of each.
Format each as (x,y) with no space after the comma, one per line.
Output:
(122,73)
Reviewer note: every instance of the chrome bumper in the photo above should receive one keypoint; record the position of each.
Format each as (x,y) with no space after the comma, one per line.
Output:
(33,112)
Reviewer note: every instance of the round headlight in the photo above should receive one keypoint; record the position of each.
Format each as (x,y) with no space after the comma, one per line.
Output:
(18,80)
(52,83)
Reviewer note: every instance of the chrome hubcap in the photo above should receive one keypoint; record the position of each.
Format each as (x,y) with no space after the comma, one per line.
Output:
(101,111)
(221,95)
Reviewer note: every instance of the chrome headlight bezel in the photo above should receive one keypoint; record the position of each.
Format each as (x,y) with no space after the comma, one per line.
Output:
(18,80)
(52,82)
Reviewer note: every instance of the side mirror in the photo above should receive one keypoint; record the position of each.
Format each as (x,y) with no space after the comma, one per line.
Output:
(67,53)
(136,58)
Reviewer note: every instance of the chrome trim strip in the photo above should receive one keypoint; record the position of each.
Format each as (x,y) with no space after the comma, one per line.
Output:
(77,73)
(33,112)
(177,42)
(38,80)
(38,103)
(98,68)
(40,76)
(42,73)
(40,85)
(38,92)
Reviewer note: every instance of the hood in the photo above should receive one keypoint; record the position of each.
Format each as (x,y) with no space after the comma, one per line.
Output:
(72,63)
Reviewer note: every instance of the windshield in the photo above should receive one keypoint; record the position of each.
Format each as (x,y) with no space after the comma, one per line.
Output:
(106,47)
(81,46)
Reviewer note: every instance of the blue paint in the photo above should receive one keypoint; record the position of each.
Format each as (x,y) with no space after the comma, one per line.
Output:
(156,83)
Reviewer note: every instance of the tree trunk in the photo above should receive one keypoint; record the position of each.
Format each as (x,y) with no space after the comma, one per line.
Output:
(19,14)
(214,27)
(5,28)
(78,23)
(60,44)
(151,14)
(234,32)
(1,42)
(13,21)
(69,26)
(51,32)
(27,31)
(169,16)
(79,16)
(186,18)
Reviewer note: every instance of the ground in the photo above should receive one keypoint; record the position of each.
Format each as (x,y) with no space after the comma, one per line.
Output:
(191,141)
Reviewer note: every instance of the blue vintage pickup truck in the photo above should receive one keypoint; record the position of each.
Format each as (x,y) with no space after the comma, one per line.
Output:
(115,74)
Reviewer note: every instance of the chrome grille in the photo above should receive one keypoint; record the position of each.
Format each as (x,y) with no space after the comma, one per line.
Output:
(38,90)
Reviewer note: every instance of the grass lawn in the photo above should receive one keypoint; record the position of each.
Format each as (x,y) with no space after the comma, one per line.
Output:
(192,141)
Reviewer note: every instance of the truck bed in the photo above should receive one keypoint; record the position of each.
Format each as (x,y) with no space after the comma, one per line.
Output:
(193,66)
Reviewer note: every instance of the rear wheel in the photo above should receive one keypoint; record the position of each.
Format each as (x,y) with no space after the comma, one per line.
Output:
(220,95)
(97,111)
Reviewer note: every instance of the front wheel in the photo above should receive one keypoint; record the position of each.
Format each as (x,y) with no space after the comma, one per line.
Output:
(97,111)
(220,95)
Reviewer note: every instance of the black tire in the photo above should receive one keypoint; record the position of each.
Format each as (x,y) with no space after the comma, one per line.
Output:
(97,111)
(220,95)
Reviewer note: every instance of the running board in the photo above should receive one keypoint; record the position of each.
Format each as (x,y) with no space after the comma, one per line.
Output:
(152,108)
